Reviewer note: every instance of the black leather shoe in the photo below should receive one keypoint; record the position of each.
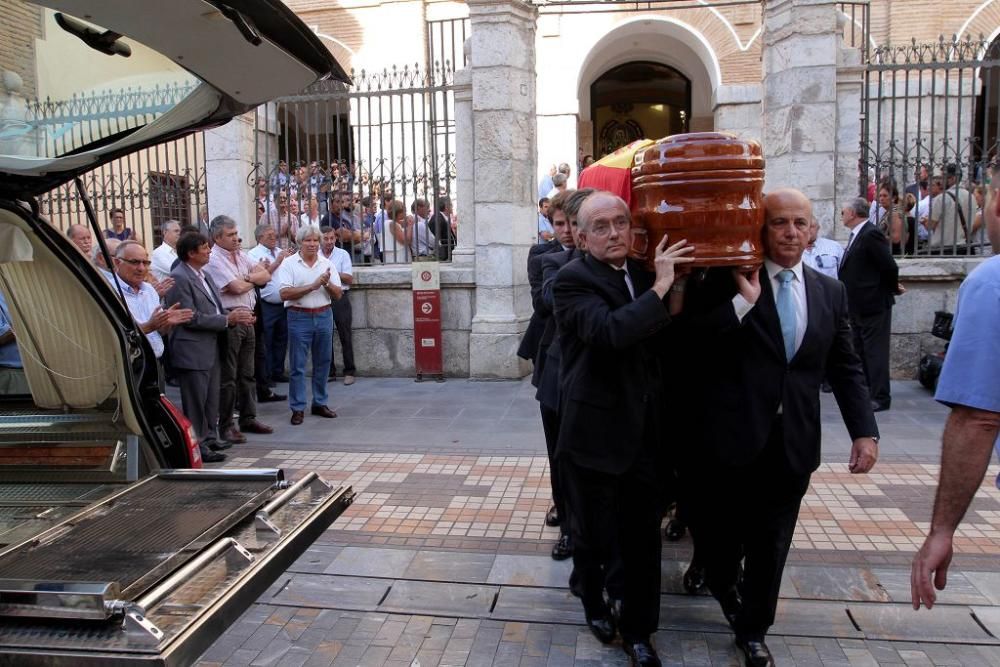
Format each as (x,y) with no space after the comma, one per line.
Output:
(208,456)
(641,654)
(880,407)
(732,605)
(219,445)
(562,549)
(674,530)
(757,653)
(552,518)
(602,625)
(297,417)
(694,578)
(270,397)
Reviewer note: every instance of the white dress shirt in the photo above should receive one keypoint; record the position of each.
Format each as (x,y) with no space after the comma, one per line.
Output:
(294,272)
(142,303)
(340,259)
(743,307)
(824,256)
(163,258)
(261,253)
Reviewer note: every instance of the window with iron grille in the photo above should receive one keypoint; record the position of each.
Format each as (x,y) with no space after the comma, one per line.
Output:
(169,199)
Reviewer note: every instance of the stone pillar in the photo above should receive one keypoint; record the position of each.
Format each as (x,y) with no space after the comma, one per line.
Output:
(464,253)
(850,83)
(228,160)
(737,110)
(504,187)
(800,98)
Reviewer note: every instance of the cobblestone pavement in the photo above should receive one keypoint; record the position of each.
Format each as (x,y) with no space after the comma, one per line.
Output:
(443,558)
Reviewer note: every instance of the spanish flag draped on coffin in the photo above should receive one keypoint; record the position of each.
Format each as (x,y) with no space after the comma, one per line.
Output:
(613,172)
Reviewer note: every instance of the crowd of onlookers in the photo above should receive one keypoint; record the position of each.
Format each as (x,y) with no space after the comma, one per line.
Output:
(370,222)
(227,325)
(935,214)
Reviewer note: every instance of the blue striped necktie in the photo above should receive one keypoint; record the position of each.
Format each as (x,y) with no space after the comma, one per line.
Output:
(786,311)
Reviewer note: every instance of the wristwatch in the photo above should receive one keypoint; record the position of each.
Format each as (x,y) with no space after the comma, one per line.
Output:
(875,438)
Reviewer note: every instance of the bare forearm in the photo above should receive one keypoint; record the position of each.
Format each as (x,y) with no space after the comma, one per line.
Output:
(965,454)
(295,293)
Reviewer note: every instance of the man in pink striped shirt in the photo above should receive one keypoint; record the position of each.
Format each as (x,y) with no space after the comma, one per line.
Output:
(236,276)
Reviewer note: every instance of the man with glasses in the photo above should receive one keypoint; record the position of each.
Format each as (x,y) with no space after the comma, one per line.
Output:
(611,315)
(132,267)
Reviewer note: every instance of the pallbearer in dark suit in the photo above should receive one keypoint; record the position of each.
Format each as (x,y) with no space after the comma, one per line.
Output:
(610,314)
(872,279)
(757,348)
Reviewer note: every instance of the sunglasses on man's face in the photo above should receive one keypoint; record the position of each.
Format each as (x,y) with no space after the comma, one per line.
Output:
(136,262)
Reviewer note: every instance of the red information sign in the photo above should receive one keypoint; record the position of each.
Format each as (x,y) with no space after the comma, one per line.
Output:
(428,355)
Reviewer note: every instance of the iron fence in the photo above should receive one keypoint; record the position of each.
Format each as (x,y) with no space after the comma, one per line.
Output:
(339,155)
(857,26)
(446,41)
(151,186)
(930,118)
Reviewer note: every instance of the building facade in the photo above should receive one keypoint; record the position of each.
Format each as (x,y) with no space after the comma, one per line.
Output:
(477,99)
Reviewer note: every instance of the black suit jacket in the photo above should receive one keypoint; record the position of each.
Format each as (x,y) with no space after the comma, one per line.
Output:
(611,384)
(441,229)
(869,272)
(528,349)
(549,353)
(735,375)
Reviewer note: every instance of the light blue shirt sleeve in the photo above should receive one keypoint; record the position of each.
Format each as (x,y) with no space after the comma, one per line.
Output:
(972,364)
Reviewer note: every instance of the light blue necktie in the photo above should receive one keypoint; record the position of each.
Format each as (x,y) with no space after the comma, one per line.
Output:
(786,311)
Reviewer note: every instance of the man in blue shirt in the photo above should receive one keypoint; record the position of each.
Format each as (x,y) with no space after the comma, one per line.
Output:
(969,385)
(12,380)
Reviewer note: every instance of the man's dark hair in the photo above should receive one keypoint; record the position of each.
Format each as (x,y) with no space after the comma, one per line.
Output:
(112,212)
(189,228)
(952,171)
(543,201)
(189,243)
(326,229)
(366,201)
(575,200)
(443,203)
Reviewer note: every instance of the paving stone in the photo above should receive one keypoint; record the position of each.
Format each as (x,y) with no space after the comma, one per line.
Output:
(328,591)
(987,583)
(960,590)
(530,571)
(836,583)
(316,558)
(896,622)
(439,598)
(814,619)
(457,567)
(545,605)
(370,562)
(691,614)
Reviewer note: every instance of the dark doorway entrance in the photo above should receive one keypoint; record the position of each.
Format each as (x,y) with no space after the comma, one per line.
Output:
(638,100)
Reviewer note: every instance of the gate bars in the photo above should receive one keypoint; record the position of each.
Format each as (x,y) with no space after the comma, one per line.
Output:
(938,106)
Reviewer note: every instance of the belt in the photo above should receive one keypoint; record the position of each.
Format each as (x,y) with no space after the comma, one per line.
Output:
(312,311)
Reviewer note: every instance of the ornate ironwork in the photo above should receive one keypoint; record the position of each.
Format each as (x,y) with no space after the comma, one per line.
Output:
(936,106)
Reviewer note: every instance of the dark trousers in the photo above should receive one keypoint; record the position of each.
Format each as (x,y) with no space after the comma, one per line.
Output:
(748,512)
(871,341)
(200,401)
(616,518)
(275,338)
(550,425)
(342,324)
(261,376)
(236,381)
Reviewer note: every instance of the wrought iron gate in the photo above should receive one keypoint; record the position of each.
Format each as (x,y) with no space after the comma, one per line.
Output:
(387,132)
(932,111)
(151,186)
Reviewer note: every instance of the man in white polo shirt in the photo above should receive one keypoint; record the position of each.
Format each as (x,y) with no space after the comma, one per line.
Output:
(308,284)
(166,254)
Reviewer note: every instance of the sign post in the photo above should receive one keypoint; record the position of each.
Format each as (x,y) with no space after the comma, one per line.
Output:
(427,352)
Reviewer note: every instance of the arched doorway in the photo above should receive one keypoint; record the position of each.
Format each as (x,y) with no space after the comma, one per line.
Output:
(638,100)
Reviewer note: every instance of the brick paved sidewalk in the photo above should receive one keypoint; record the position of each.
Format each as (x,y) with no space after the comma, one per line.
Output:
(443,557)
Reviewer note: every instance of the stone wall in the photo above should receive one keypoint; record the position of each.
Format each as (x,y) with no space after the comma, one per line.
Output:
(738,110)
(381,303)
(931,285)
